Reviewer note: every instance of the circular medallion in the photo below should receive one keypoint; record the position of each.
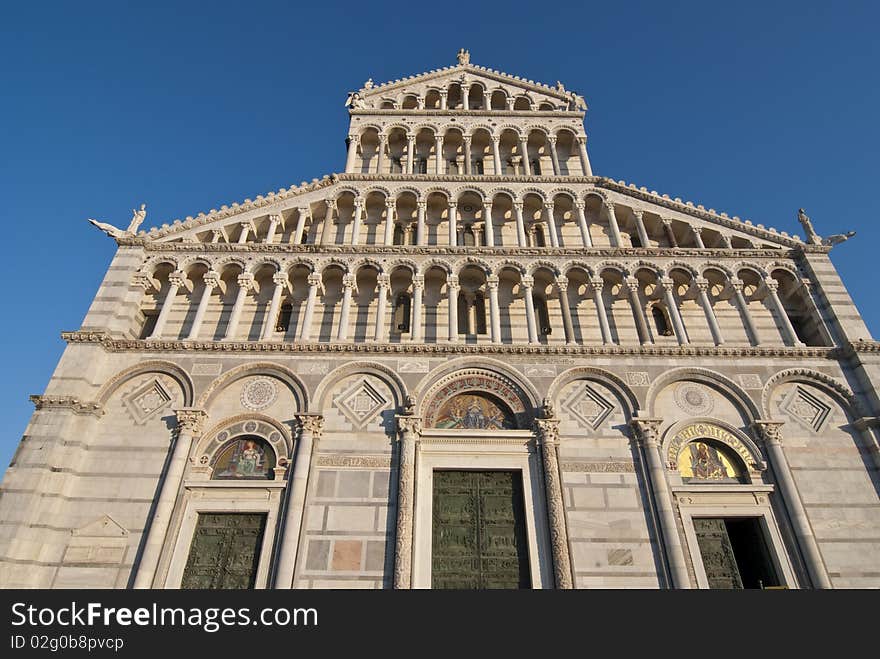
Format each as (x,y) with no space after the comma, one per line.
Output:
(275,437)
(693,398)
(259,393)
(250,426)
(223,436)
(204,460)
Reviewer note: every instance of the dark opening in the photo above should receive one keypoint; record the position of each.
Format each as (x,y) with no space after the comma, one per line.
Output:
(150,318)
(283,322)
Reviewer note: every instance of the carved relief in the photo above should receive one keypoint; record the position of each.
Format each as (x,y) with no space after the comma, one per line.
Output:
(588,407)
(258,393)
(637,379)
(693,398)
(361,403)
(805,409)
(147,401)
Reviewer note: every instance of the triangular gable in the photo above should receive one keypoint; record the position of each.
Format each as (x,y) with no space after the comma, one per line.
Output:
(103,527)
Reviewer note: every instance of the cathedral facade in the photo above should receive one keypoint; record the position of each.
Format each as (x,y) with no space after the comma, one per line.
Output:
(464,362)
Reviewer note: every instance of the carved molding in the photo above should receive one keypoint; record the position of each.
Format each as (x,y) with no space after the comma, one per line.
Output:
(354,461)
(72,403)
(598,467)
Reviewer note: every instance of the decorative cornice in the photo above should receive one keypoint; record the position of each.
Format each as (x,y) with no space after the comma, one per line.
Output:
(525,114)
(597,467)
(73,403)
(354,461)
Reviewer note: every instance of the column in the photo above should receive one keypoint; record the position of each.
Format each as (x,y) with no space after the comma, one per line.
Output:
(524,153)
(418,288)
(358,220)
(453,223)
(245,230)
(327,228)
(245,282)
(672,306)
(582,223)
(585,160)
(527,283)
(389,221)
(306,331)
(496,155)
(670,234)
(596,284)
(702,289)
(647,435)
(300,225)
(868,426)
(274,221)
(698,238)
(635,302)
(467,154)
(216,235)
(547,437)
(443,93)
(494,308)
(487,222)
(421,206)
(751,330)
(769,431)
(176,281)
(410,153)
(383,283)
(380,155)
(487,99)
(409,429)
(353,141)
(725,239)
(551,141)
(212,280)
(551,224)
(438,153)
(612,225)
(280,280)
(562,287)
(310,427)
(348,283)
(520,224)
(790,335)
(452,297)
(190,422)
(640,227)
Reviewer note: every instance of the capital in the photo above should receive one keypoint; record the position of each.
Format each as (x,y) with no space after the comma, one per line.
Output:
(518,205)
(495,139)
(245,280)
(666,221)
(358,203)
(354,138)
(409,427)
(348,281)
(383,281)
(581,139)
(177,278)
(422,204)
(609,207)
(547,431)
(191,420)
(331,204)
(769,431)
(492,282)
(280,279)
(141,280)
(314,279)
(647,431)
(638,214)
(305,211)
(697,230)
(597,283)
(580,204)
(312,424)
(667,283)
(276,218)
(632,284)
(418,281)
(549,205)
(562,284)
(701,284)
(552,140)
(211,278)
(736,284)
(528,281)
(453,205)
(771,284)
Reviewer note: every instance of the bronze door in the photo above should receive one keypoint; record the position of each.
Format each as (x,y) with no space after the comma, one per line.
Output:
(719,561)
(225,551)
(479,534)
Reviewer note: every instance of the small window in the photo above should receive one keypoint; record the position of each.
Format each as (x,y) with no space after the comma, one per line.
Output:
(543,316)
(480,312)
(452,166)
(478,166)
(536,167)
(282,323)
(398,235)
(635,241)
(150,318)
(396,166)
(421,166)
(539,238)
(661,322)
(402,306)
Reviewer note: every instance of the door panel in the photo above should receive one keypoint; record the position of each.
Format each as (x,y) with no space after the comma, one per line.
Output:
(225,551)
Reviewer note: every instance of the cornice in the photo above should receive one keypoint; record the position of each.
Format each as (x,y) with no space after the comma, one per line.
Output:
(67,402)
(425,112)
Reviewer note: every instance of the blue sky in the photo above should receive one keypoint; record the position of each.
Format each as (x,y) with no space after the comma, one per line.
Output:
(754,109)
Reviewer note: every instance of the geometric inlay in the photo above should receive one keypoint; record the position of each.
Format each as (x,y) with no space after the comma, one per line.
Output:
(587,406)
(750,381)
(693,398)
(805,408)
(360,403)
(146,401)
(259,393)
(637,379)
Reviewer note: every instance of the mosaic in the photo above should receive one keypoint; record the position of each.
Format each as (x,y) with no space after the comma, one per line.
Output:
(475,411)
(247,458)
(702,461)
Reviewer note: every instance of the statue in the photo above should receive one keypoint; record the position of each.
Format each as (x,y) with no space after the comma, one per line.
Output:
(560,87)
(838,238)
(109,229)
(812,236)
(409,405)
(369,84)
(547,411)
(137,218)
(576,101)
(355,101)
(464,57)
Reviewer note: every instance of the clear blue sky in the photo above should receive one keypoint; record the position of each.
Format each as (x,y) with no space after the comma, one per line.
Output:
(750,108)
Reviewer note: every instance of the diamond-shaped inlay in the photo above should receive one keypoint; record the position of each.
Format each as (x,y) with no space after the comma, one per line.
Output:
(361,403)
(587,406)
(146,401)
(805,408)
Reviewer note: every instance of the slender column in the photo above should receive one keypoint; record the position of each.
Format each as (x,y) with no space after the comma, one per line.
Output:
(551,224)
(791,336)
(353,141)
(640,228)
(438,154)
(281,282)
(487,100)
(827,337)
(582,223)
(868,426)
(672,305)
(612,224)
(443,93)
(551,141)
(310,427)
(725,239)
(216,235)
(306,331)
(524,153)
(358,220)
(409,429)
(670,234)
(245,231)
(348,284)
(176,281)
(547,437)
(383,283)
(452,296)
(770,432)
(527,283)
(389,221)
(510,103)
(647,435)
(737,286)
(410,153)
(585,159)
(418,288)
(212,280)
(487,221)
(496,155)
(327,228)
(596,284)
(635,302)
(494,308)
(562,287)
(698,238)
(190,422)
(274,221)
(520,224)
(245,282)
(703,291)
(467,154)
(300,225)
(421,206)
(453,223)
(380,155)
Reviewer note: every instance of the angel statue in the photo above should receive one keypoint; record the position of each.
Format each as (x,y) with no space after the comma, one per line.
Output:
(355,101)
(137,218)
(560,87)
(838,238)
(576,102)
(109,229)
(812,236)
(464,56)
(369,84)
(547,411)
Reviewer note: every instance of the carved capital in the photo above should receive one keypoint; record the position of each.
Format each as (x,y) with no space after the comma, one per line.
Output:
(769,431)
(331,204)
(492,282)
(697,230)
(177,278)
(702,284)
(597,283)
(211,278)
(518,206)
(549,206)
(647,431)
(496,139)
(280,279)
(191,419)
(418,281)
(552,140)
(547,431)
(422,205)
(771,284)
(354,138)
(667,283)
(141,280)
(580,205)
(581,139)
(632,284)
(609,207)
(736,284)
(528,281)
(348,281)
(562,284)
(409,426)
(383,281)
(246,280)
(310,423)
(314,279)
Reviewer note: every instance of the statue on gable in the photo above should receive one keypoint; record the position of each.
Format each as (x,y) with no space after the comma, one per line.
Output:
(464,57)
(576,102)
(137,219)
(560,87)
(369,84)
(807,224)
(355,101)
(838,238)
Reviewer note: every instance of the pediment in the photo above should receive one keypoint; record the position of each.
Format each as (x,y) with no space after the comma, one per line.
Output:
(103,527)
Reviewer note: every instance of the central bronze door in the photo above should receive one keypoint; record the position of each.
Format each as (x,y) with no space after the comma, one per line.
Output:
(225,551)
(479,532)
